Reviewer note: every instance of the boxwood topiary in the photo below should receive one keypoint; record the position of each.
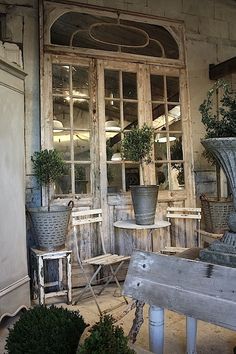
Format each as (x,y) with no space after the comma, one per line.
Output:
(46,330)
(106,338)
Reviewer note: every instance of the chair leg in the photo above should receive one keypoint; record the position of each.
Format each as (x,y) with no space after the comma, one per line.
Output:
(90,288)
(113,276)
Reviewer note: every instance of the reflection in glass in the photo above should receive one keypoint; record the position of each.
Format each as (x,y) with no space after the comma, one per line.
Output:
(61,111)
(130,115)
(162,176)
(129,85)
(176,150)
(82,176)
(112,111)
(61,142)
(112,84)
(158,116)
(81,113)
(60,78)
(63,185)
(177,176)
(172,89)
(80,81)
(174,117)
(160,147)
(157,88)
(132,177)
(81,145)
(114,178)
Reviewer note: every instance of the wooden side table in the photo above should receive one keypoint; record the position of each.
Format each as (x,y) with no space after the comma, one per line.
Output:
(39,258)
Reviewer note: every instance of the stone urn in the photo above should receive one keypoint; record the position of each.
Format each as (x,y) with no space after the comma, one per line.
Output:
(223,251)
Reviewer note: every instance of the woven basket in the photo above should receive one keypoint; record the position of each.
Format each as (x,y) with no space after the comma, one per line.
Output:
(216,213)
(50,228)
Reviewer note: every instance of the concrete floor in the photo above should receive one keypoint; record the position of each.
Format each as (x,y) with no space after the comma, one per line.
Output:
(211,338)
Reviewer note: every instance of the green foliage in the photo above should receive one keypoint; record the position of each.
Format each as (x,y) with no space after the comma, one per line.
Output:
(43,330)
(80,172)
(220,122)
(48,166)
(137,144)
(106,338)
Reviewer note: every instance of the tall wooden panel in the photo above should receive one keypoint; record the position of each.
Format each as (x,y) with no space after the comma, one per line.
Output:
(14,280)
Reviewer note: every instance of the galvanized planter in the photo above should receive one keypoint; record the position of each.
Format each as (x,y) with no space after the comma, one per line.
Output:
(144,202)
(50,227)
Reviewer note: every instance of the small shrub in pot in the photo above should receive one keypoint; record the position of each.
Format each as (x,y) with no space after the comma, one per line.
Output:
(46,330)
(106,338)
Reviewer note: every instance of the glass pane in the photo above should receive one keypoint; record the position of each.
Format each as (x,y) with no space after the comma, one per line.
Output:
(172,89)
(63,185)
(82,178)
(61,113)
(80,81)
(81,113)
(61,142)
(160,147)
(114,178)
(176,150)
(60,78)
(130,115)
(157,88)
(112,114)
(162,176)
(174,117)
(112,84)
(129,85)
(81,145)
(113,148)
(177,176)
(158,116)
(132,177)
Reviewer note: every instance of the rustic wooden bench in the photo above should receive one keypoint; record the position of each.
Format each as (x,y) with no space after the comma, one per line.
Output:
(196,289)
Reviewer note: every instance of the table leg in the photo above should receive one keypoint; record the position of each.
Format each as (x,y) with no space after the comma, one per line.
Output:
(156,329)
(41,280)
(68,267)
(191,332)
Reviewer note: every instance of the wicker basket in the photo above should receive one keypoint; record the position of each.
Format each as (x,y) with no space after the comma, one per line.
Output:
(50,228)
(216,213)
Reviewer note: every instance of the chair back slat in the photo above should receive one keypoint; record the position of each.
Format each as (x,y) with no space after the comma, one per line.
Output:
(86,217)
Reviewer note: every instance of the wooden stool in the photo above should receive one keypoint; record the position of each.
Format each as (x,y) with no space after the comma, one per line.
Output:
(39,258)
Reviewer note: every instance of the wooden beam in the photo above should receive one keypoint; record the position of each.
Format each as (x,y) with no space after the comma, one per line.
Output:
(222,69)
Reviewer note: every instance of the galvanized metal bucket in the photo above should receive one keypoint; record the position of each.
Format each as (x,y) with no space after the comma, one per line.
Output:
(144,202)
(50,227)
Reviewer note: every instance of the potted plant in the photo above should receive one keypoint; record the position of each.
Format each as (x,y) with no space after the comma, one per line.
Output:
(137,146)
(46,330)
(80,179)
(220,124)
(106,338)
(50,222)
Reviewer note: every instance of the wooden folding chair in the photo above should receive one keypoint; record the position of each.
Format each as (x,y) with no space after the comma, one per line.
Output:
(183,213)
(104,260)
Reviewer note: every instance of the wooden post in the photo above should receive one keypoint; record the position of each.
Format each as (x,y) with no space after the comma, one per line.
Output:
(156,329)
(191,333)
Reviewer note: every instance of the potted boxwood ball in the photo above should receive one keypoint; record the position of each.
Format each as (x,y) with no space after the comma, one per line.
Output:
(46,330)
(137,146)
(50,222)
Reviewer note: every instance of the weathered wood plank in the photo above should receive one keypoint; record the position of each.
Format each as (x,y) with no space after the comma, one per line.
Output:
(200,290)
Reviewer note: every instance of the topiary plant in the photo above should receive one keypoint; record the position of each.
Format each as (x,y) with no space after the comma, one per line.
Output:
(43,330)
(137,145)
(106,338)
(219,120)
(48,167)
